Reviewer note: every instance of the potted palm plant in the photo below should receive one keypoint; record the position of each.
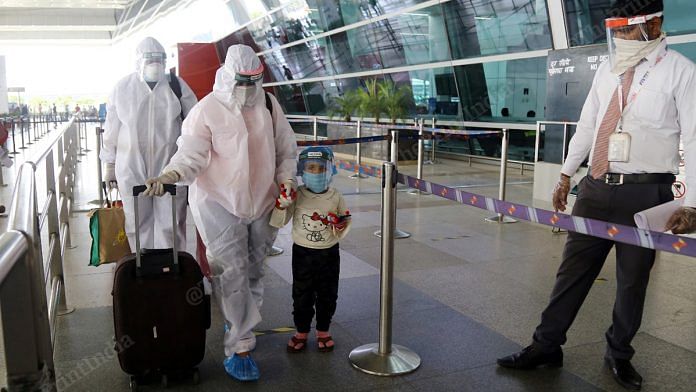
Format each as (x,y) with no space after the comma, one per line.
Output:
(344,106)
(395,101)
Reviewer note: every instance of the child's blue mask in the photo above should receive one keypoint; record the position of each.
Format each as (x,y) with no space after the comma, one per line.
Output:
(316,183)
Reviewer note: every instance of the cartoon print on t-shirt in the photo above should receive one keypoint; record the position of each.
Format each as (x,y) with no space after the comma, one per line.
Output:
(315,225)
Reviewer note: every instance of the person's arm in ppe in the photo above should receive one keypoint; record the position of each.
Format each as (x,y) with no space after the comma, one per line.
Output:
(286,152)
(112,126)
(191,157)
(683,221)
(579,147)
(340,221)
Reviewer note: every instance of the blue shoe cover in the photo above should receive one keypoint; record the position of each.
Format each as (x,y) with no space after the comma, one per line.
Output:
(241,368)
(226,328)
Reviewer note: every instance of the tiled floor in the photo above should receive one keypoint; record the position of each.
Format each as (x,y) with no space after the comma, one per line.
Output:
(465,293)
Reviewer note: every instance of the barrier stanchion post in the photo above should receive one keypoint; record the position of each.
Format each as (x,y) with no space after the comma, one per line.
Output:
(315,126)
(14,144)
(358,153)
(86,143)
(500,218)
(398,234)
(100,175)
(421,152)
(431,160)
(21,132)
(385,358)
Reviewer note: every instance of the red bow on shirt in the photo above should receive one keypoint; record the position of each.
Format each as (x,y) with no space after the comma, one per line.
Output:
(317,217)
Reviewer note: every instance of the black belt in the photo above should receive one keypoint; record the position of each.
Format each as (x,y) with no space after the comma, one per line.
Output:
(643,178)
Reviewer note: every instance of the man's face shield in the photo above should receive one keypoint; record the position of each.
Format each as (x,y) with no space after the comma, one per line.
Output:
(628,31)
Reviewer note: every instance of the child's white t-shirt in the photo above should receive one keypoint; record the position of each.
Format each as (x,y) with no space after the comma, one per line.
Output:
(309,215)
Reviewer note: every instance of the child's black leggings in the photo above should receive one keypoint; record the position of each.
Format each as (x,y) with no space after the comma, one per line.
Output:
(314,285)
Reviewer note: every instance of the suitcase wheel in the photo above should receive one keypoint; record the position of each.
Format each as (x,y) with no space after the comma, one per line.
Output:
(196,376)
(165,381)
(133,384)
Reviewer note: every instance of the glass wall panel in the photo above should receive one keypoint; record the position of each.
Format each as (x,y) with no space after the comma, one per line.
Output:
(487,27)
(299,19)
(504,91)
(688,50)
(407,39)
(586,19)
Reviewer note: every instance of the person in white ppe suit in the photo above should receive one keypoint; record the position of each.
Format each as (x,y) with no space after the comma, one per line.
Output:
(142,125)
(237,156)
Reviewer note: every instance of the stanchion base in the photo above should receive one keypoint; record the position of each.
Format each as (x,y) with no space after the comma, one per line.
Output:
(398,234)
(357,176)
(501,219)
(399,361)
(64,312)
(276,251)
(417,192)
(97,202)
(86,150)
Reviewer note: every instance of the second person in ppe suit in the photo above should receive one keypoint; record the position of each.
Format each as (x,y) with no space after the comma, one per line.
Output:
(237,156)
(142,125)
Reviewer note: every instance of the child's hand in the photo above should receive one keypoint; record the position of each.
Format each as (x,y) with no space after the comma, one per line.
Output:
(338,222)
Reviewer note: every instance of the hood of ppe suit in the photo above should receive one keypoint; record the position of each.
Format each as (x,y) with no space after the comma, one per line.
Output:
(240,58)
(146,46)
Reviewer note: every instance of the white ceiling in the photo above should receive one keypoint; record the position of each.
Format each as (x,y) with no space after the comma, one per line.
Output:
(77,21)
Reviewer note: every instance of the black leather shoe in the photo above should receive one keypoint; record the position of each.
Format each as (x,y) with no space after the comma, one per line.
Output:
(531,357)
(624,373)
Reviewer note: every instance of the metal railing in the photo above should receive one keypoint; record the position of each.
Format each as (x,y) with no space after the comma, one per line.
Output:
(28,313)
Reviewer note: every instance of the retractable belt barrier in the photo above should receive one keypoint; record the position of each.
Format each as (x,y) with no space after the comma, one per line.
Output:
(596,228)
(353,140)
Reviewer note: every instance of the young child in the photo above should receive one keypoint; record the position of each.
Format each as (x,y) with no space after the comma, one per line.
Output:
(319,219)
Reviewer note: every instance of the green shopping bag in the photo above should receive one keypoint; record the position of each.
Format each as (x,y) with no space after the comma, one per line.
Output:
(107,226)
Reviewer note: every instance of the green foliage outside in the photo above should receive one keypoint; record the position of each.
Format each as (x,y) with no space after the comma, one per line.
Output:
(375,100)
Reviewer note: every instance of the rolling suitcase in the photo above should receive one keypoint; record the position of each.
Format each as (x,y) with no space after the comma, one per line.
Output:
(161,312)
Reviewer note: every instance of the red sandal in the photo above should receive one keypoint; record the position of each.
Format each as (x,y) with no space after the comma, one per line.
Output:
(325,340)
(295,341)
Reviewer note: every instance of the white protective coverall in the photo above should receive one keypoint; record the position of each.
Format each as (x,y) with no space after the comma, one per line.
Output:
(140,133)
(235,155)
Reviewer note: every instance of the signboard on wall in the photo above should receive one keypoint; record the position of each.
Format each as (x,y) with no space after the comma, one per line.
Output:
(569,78)
(3,86)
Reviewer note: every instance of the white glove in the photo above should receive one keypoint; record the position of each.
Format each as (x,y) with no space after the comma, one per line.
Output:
(110,175)
(155,186)
(288,194)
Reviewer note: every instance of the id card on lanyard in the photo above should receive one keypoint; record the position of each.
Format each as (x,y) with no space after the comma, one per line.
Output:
(620,140)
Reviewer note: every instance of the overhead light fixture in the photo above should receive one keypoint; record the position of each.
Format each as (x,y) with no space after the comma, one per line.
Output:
(483,17)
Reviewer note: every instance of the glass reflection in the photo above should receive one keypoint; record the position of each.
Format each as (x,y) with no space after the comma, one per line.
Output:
(487,27)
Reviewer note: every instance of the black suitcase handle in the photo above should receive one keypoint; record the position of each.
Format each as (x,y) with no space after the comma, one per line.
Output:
(137,190)
(168,188)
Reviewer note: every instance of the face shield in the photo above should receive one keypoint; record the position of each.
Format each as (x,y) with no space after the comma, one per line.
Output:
(246,84)
(152,69)
(316,166)
(629,40)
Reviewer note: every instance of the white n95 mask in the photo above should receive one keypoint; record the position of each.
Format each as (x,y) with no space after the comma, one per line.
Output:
(153,72)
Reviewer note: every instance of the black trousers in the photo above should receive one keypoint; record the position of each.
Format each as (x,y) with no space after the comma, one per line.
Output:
(584,256)
(314,286)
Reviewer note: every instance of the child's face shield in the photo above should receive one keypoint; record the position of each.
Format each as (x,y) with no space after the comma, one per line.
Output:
(636,29)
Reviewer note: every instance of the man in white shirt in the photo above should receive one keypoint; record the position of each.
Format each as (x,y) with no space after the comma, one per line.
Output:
(639,105)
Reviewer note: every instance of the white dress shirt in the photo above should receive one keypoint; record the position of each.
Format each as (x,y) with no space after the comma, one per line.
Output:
(663,109)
